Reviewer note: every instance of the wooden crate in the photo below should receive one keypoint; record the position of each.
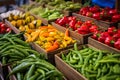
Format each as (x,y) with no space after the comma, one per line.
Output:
(66,69)
(102,24)
(12,77)
(82,38)
(102,46)
(50,55)
(118,25)
(12,27)
(1,72)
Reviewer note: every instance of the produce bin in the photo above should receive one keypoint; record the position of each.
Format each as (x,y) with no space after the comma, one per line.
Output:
(102,24)
(72,73)
(67,70)
(102,46)
(12,27)
(1,72)
(50,55)
(13,77)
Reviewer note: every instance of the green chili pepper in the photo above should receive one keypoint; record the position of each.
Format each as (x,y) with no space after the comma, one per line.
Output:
(30,72)
(20,67)
(18,76)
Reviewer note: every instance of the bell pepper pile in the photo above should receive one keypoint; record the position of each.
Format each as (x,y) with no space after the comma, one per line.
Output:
(106,14)
(50,38)
(4,28)
(77,25)
(22,21)
(111,37)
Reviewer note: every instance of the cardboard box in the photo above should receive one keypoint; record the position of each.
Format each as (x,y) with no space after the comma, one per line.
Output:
(102,24)
(102,46)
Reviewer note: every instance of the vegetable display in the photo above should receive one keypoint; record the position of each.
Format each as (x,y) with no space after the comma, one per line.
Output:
(94,64)
(62,5)
(50,38)
(105,14)
(34,68)
(26,63)
(13,49)
(49,14)
(23,21)
(111,37)
(77,25)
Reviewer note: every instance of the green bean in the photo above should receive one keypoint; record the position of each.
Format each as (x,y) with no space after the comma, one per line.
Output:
(18,76)
(109,61)
(75,47)
(79,55)
(20,67)
(30,72)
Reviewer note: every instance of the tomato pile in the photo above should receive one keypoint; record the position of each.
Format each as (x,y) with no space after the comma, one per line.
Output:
(106,14)
(77,25)
(111,37)
(4,28)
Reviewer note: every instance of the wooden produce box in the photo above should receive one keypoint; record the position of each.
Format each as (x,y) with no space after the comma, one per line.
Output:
(50,55)
(102,24)
(12,27)
(118,25)
(66,69)
(82,38)
(102,46)
(1,72)
(12,77)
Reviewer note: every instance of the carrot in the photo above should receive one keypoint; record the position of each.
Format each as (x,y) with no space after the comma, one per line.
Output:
(54,47)
(67,32)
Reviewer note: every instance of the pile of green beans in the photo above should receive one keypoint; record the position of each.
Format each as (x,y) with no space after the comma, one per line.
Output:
(13,48)
(33,68)
(26,63)
(94,64)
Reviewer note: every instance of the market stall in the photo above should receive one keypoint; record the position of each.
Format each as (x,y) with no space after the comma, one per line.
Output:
(60,40)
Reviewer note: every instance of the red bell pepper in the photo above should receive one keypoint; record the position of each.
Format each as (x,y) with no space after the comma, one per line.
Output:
(96,35)
(103,36)
(89,23)
(78,24)
(112,30)
(93,28)
(72,24)
(117,44)
(116,36)
(83,29)
(109,41)
(62,21)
